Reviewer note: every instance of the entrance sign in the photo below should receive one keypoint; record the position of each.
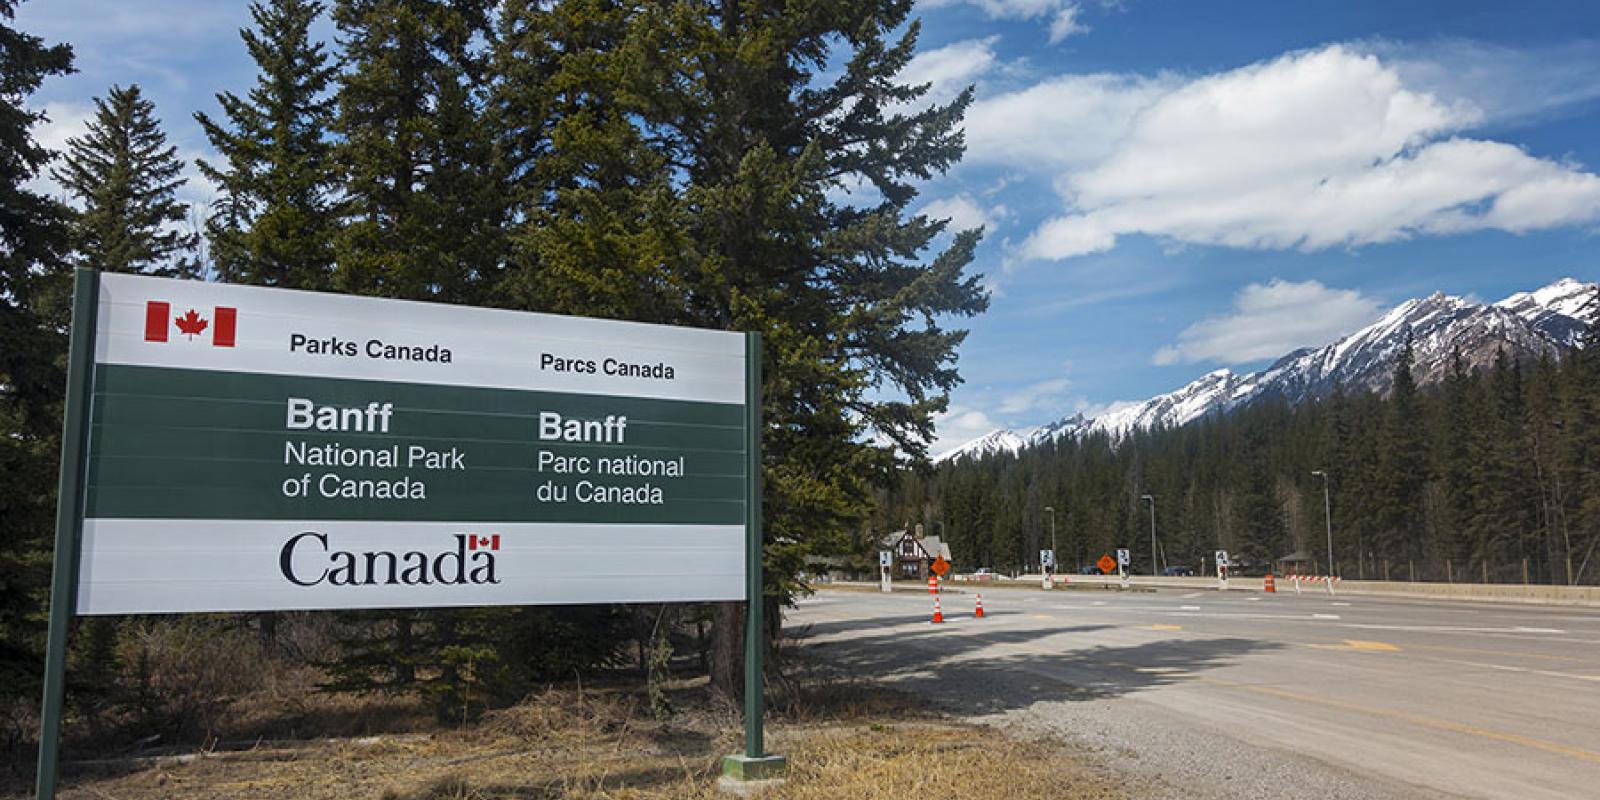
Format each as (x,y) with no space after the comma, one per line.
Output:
(261,449)
(233,448)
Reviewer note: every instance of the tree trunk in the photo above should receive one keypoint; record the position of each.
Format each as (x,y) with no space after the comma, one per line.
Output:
(267,629)
(727,649)
(405,673)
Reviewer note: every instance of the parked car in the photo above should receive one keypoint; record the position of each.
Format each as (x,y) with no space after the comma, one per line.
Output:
(1089,570)
(1178,572)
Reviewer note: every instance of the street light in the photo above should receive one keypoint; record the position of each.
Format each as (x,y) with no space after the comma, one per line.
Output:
(1052,512)
(1327,510)
(1154,568)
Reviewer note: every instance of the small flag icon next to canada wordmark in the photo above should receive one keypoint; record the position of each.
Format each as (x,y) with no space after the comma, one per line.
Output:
(158,323)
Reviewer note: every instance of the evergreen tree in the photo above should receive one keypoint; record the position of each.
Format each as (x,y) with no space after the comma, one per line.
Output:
(733,107)
(34,313)
(1402,464)
(420,216)
(125,177)
(1579,444)
(597,217)
(1462,438)
(274,224)
(423,200)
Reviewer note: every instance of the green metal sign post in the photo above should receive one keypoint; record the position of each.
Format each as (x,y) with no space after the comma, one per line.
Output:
(755,763)
(69,525)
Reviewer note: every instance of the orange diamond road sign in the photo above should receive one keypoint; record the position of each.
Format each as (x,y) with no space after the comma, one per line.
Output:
(940,566)
(1106,564)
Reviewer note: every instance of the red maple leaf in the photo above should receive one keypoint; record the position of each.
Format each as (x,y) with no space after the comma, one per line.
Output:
(191,323)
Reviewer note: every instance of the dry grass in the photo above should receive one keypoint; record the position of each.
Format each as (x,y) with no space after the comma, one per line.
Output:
(845,739)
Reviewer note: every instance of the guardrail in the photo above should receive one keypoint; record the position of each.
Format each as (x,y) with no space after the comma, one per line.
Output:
(1469,592)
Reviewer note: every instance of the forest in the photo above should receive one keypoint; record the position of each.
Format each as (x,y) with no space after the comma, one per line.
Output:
(678,163)
(1489,475)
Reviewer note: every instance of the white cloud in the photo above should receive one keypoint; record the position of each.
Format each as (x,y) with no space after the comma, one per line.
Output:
(1066,23)
(1269,320)
(964,212)
(1312,150)
(1066,122)
(1063,14)
(951,68)
(63,121)
(1047,395)
(1497,78)
(959,425)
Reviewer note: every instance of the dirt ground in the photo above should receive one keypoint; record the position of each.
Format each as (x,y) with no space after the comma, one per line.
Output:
(844,740)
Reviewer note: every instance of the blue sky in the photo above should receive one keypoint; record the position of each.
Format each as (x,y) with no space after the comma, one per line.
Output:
(1168,186)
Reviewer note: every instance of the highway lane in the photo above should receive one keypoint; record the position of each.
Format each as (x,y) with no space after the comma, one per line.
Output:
(1203,693)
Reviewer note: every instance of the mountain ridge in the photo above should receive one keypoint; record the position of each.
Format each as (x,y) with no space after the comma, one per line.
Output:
(1548,320)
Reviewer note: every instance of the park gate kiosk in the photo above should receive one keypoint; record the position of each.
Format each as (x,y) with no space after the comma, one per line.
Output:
(233,448)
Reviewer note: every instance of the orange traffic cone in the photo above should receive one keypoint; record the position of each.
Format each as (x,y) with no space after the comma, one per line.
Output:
(1268,586)
(979,615)
(938,614)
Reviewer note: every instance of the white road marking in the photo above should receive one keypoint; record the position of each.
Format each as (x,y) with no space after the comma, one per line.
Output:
(1449,628)
(1188,608)
(1252,599)
(1192,594)
(1324,616)
(1529,670)
(1339,604)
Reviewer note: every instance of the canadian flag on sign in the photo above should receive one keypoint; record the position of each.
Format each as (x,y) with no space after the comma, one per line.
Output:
(159,322)
(490,542)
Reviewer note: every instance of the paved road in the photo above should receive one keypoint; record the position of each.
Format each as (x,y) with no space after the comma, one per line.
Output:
(1205,694)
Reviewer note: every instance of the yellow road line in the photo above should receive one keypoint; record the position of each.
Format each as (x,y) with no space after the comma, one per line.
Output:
(1354,644)
(1415,719)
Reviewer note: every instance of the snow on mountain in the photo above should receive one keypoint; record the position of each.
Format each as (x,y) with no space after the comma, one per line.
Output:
(1442,327)
(1212,393)
(1560,311)
(1071,426)
(992,443)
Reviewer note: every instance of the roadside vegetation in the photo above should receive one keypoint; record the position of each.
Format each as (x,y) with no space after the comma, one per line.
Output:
(279,738)
(1490,475)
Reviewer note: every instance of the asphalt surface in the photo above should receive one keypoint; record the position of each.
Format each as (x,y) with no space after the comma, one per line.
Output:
(1197,694)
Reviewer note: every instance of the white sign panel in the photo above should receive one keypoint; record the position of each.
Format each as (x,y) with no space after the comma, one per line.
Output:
(1047,558)
(1122,557)
(1222,558)
(885,558)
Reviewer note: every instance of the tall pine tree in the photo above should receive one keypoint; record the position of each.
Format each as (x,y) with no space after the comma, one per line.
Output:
(752,113)
(274,224)
(423,202)
(1402,465)
(125,178)
(34,288)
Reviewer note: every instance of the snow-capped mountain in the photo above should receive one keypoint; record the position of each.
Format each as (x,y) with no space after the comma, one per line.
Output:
(991,443)
(1442,327)
(1553,309)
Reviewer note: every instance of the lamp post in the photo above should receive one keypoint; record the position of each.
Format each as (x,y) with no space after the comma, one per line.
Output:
(1155,569)
(1052,512)
(1327,511)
